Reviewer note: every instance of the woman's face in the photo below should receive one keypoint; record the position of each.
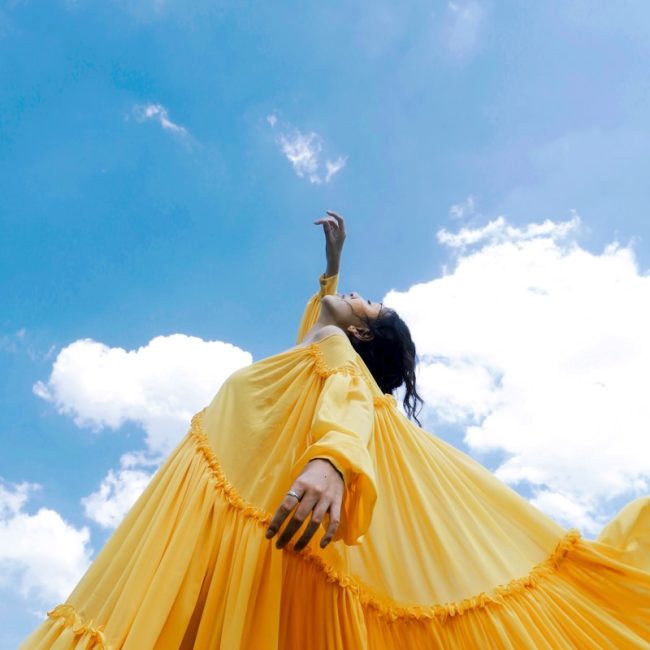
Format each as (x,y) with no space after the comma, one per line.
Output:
(350,308)
(361,306)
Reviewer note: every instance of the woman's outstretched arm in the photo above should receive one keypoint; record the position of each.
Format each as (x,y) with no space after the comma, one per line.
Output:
(334,231)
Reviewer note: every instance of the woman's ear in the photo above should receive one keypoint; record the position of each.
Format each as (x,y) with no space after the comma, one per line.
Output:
(361,333)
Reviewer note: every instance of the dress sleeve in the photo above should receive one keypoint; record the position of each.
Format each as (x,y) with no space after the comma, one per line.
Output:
(340,432)
(312,310)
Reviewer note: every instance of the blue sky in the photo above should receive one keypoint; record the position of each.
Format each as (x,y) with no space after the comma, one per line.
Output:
(161,164)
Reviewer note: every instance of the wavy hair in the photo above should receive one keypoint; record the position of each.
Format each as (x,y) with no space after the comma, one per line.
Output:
(391,357)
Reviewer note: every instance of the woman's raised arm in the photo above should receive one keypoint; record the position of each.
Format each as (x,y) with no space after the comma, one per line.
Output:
(334,230)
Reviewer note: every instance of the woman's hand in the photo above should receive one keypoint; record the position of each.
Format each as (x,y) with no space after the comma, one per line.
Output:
(334,229)
(320,488)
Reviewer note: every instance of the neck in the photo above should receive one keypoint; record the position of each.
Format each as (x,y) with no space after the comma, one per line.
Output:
(323,326)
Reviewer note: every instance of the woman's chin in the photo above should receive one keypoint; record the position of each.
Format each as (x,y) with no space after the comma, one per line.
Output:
(334,307)
(329,300)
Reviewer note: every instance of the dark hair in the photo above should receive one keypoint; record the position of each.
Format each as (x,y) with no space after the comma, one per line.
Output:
(390,356)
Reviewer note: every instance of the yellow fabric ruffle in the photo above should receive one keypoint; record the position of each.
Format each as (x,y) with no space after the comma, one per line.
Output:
(77,633)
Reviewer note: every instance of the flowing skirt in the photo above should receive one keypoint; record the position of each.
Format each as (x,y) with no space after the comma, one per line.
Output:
(190,567)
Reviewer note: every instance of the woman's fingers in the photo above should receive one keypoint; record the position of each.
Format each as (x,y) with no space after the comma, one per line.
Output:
(335,518)
(312,526)
(339,220)
(307,503)
(334,230)
(334,219)
(329,222)
(320,488)
(287,505)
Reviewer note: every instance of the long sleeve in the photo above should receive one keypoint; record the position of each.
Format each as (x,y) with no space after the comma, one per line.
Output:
(328,286)
(340,432)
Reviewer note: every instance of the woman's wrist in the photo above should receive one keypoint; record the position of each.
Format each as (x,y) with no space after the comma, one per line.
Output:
(333,266)
(332,465)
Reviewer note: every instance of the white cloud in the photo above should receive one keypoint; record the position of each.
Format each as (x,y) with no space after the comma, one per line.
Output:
(304,152)
(116,494)
(464,22)
(457,389)
(334,168)
(539,350)
(567,508)
(500,230)
(158,386)
(41,553)
(158,113)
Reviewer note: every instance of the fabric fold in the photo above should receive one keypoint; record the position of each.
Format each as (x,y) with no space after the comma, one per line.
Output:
(188,567)
(629,532)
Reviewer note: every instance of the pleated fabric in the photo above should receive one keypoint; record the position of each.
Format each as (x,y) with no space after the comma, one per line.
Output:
(432,550)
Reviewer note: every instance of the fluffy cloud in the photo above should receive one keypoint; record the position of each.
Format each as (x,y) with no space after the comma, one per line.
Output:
(500,230)
(116,494)
(539,350)
(304,152)
(119,490)
(158,386)
(41,553)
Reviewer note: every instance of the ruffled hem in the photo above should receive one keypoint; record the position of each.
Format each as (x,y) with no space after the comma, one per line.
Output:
(547,576)
(384,607)
(70,630)
(324,370)
(585,601)
(381,605)
(214,581)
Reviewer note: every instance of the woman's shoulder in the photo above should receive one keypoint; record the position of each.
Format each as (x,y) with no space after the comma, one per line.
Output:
(334,344)
(335,353)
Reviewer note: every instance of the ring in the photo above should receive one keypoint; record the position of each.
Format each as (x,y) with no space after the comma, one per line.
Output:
(293,494)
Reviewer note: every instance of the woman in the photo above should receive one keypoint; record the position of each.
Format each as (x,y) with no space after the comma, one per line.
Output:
(418,546)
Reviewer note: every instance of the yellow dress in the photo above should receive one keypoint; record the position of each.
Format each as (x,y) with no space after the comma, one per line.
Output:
(432,550)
